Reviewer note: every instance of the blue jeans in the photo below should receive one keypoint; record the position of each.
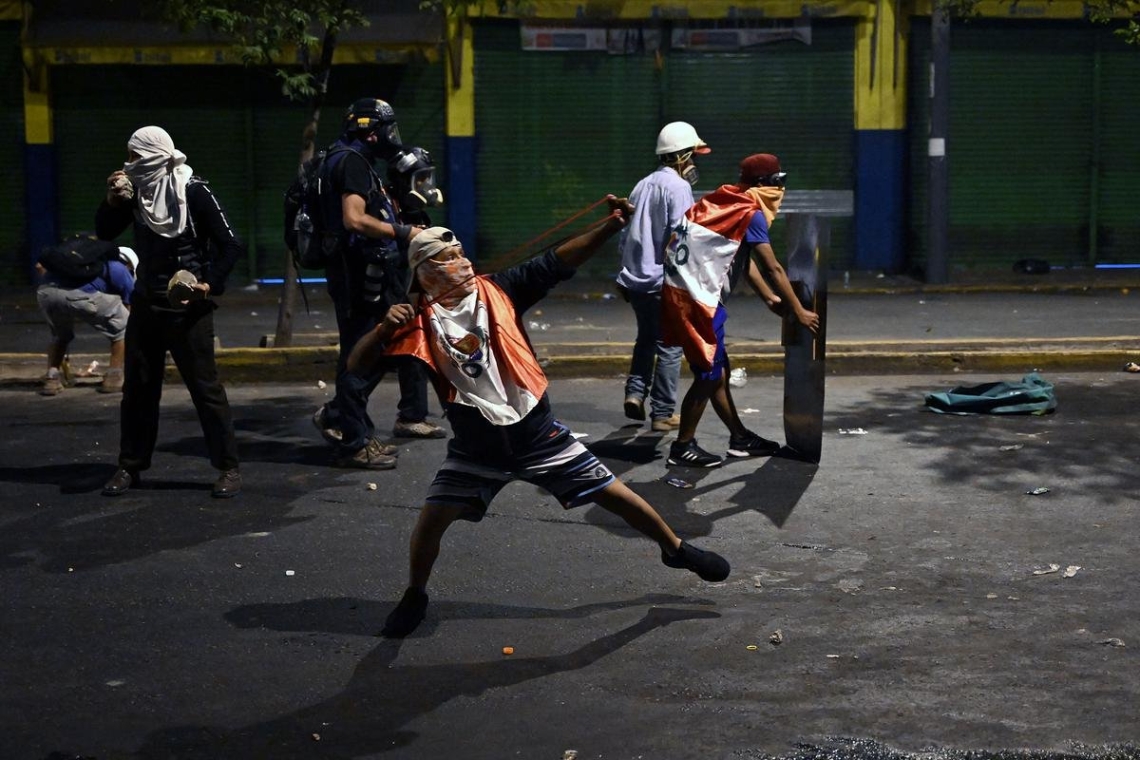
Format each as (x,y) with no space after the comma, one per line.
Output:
(654,369)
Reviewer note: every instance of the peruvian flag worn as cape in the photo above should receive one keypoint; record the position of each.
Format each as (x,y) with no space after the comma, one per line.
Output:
(697,259)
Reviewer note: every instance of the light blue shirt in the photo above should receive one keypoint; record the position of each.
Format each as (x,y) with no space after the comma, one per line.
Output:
(660,201)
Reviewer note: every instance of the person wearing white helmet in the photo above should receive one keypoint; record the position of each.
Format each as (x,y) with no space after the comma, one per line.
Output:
(104,302)
(660,201)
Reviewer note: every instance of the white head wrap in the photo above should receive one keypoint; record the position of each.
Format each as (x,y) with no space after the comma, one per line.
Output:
(160,175)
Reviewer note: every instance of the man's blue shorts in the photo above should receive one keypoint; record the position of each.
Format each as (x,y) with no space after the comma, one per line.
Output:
(720,357)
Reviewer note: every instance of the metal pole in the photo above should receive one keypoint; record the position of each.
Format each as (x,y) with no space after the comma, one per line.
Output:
(938,206)
(1094,162)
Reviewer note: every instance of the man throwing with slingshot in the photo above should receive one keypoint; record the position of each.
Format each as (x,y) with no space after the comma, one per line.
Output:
(468,330)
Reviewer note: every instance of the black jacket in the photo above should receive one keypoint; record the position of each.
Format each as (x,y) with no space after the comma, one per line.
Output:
(208,247)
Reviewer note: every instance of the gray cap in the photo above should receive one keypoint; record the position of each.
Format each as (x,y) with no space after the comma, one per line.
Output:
(426,244)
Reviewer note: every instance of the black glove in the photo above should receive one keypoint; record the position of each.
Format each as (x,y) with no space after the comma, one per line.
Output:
(401,233)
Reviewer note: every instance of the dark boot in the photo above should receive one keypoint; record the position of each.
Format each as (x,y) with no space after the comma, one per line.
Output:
(228,484)
(120,482)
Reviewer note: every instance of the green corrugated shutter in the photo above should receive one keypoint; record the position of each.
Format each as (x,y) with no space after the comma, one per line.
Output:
(13,263)
(558,130)
(1118,155)
(786,98)
(1021,141)
(555,132)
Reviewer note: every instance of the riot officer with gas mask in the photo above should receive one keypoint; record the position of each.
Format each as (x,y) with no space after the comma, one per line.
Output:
(365,273)
(411,177)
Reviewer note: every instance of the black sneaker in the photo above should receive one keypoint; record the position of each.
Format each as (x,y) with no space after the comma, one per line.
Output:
(710,566)
(407,615)
(691,455)
(751,445)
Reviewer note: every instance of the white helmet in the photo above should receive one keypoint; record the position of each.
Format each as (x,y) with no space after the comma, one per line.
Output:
(128,257)
(679,136)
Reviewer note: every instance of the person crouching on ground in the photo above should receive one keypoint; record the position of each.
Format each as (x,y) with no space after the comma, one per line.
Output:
(468,330)
(103,302)
(723,234)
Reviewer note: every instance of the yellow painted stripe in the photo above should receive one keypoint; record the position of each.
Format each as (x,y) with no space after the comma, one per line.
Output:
(1020,9)
(37,117)
(880,68)
(192,55)
(460,67)
(604,10)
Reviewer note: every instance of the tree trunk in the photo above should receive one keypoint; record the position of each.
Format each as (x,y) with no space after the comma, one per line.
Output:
(283,338)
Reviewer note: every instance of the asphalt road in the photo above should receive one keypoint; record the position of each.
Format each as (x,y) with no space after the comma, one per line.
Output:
(909,576)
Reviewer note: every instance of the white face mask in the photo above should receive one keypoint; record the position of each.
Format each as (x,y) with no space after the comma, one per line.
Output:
(160,174)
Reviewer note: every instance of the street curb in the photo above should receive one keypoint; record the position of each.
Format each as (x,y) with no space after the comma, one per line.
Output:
(878,363)
(315,364)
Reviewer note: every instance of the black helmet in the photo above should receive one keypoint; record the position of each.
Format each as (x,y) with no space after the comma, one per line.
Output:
(368,115)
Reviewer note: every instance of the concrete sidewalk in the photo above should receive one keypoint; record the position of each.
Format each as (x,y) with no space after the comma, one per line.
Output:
(1071,320)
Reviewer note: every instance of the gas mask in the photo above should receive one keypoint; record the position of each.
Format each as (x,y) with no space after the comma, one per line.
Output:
(682,163)
(413,174)
(690,174)
(387,142)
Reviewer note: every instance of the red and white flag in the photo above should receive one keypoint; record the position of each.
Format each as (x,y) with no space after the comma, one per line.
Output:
(697,261)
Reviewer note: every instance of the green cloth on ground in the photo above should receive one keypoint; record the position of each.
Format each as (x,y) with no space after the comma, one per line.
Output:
(1032,395)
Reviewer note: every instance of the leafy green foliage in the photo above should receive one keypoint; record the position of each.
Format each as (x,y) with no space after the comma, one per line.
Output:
(460,7)
(1099,11)
(263,30)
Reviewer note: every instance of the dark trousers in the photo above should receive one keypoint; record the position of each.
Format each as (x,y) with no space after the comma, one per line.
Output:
(189,337)
(348,410)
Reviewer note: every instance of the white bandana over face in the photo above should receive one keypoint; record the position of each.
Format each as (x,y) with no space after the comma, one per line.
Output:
(160,175)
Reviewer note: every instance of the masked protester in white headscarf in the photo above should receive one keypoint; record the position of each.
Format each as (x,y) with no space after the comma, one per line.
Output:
(186,249)
(159,174)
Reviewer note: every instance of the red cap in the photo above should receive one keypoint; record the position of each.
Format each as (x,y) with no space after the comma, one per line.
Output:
(757,166)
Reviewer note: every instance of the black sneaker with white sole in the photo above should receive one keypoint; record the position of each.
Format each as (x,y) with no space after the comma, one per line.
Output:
(751,445)
(691,455)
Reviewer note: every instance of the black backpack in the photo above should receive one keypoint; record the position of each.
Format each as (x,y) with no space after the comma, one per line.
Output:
(304,215)
(80,257)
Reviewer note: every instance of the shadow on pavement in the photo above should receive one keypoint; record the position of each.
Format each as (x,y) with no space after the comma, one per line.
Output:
(273,429)
(369,716)
(92,536)
(772,489)
(364,617)
(1091,439)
